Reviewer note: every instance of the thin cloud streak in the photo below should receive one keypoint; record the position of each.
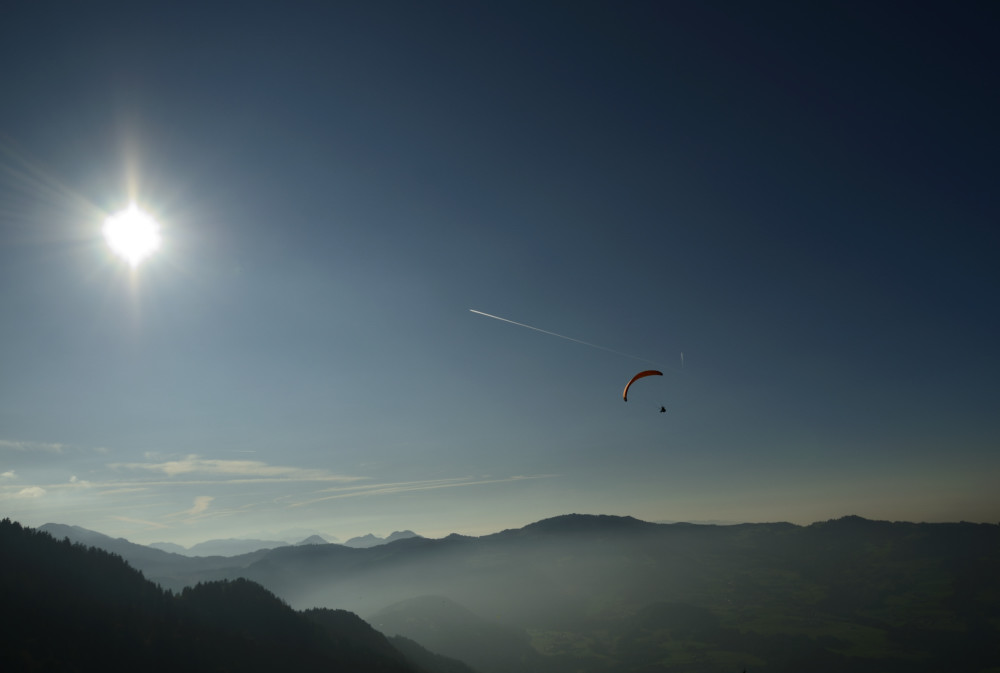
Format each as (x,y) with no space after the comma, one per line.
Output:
(201,512)
(112,488)
(31,446)
(195,464)
(218,472)
(121,491)
(407,486)
(141,522)
(30,492)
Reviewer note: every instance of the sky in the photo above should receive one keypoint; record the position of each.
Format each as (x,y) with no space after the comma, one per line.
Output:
(790,209)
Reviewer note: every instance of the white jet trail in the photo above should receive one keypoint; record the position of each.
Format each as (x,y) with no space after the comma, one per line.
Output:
(563,336)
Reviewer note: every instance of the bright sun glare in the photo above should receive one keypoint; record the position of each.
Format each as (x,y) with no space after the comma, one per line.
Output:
(132,234)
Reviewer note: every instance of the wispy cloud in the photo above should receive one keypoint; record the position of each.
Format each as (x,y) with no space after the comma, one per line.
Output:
(141,522)
(30,492)
(201,503)
(254,469)
(14,445)
(126,489)
(200,510)
(368,490)
(9,474)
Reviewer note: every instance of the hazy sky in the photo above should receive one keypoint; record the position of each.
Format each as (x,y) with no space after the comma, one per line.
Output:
(799,197)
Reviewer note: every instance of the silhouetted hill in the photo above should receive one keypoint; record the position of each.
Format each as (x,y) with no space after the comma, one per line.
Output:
(169,547)
(585,524)
(70,607)
(369,540)
(312,539)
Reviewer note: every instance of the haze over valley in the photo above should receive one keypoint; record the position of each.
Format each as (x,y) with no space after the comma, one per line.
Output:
(593,593)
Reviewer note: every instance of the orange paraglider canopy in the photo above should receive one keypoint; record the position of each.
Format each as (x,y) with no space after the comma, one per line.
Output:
(648,372)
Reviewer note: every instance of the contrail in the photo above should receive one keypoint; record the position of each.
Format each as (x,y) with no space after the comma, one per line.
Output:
(563,336)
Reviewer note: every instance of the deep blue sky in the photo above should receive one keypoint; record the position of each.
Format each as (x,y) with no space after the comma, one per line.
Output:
(800,197)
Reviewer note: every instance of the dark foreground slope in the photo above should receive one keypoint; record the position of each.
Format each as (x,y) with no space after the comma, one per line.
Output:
(69,607)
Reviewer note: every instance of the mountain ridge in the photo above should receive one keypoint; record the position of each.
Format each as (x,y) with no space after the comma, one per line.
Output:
(79,607)
(593,592)
(371,540)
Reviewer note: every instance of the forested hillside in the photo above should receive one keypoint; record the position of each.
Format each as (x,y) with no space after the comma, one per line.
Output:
(68,607)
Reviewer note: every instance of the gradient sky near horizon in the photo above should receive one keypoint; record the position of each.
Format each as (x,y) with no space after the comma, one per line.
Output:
(799,197)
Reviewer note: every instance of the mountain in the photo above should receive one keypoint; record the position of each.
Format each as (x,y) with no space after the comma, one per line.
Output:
(169,547)
(595,593)
(294,534)
(584,524)
(232,547)
(364,541)
(369,540)
(147,559)
(81,608)
(604,594)
(169,570)
(312,539)
(224,547)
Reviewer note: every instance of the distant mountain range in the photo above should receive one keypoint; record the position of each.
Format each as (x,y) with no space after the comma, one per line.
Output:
(606,594)
(365,541)
(240,546)
(226,547)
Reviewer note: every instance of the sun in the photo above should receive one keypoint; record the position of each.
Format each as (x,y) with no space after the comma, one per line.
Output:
(132,234)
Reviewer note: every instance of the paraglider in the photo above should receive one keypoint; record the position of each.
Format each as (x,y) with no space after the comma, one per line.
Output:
(648,372)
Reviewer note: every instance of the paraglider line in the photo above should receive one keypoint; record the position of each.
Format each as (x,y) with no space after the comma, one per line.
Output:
(562,336)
